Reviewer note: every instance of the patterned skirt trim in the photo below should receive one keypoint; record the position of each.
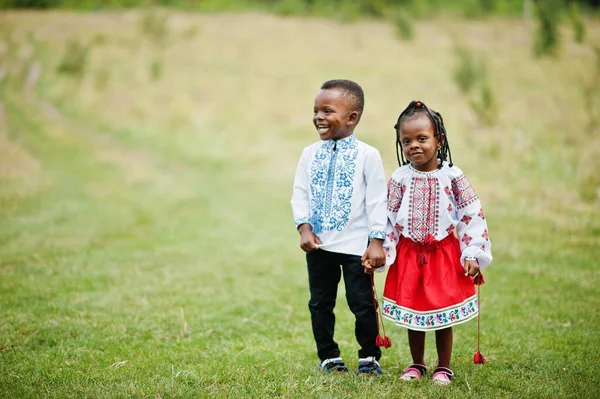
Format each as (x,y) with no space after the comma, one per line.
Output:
(426,287)
(431,320)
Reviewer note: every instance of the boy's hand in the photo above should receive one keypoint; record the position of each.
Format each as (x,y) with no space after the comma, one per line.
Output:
(374,256)
(471,267)
(308,241)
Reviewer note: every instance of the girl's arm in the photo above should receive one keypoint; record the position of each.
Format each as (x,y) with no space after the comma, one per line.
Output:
(472,227)
(395,192)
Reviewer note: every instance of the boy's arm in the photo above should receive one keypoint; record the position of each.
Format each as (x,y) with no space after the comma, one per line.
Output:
(300,197)
(301,205)
(376,195)
(376,207)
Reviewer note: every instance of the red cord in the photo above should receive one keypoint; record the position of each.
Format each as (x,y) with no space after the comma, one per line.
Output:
(379,341)
(478,358)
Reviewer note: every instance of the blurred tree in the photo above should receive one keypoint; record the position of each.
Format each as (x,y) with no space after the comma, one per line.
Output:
(376,8)
(577,22)
(547,38)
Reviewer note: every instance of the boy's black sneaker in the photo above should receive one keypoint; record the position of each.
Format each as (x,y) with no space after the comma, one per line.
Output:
(333,364)
(369,366)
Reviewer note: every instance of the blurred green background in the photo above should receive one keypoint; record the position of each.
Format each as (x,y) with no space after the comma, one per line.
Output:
(147,151)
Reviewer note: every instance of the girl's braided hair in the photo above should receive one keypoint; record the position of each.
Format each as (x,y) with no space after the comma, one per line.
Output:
(416,108)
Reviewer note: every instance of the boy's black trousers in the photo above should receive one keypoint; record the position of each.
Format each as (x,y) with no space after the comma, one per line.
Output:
(324,273)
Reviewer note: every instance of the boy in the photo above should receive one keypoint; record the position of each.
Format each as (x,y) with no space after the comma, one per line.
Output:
(339,204)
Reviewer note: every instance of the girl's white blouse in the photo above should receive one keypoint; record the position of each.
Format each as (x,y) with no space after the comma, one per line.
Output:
(437,203)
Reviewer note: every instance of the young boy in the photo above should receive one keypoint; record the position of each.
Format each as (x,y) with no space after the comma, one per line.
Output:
(339,204)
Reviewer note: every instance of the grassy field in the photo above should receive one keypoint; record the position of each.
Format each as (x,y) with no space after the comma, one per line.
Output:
(147,247)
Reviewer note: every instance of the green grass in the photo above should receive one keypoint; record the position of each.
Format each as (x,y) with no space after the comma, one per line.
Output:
(147,246)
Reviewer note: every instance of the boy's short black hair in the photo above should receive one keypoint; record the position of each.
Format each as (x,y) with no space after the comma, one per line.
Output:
(352,92)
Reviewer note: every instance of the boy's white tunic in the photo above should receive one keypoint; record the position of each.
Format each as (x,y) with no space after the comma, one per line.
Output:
(436,203)
(340,189)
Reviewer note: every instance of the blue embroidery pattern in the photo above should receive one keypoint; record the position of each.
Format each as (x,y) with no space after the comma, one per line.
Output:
(331,178)
(377,234)
(302,220)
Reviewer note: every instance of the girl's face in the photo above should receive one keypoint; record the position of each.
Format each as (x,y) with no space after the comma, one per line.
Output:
(419,143)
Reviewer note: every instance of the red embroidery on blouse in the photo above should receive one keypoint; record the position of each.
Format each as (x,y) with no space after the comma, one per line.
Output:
(395,194)
(485,235)
(480,214)
(424,208)
(391,236)
(466,239)
(466,219)
(450,229)
(464,194)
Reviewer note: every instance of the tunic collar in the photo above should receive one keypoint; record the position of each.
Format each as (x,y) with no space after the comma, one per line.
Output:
(341,143)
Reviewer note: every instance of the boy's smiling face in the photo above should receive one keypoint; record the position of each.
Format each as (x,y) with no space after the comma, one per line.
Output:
(333,115)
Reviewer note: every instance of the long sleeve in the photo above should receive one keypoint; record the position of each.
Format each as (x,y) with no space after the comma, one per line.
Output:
(300,196)
(395,192)
(339,189)
(472,227)
(376,195)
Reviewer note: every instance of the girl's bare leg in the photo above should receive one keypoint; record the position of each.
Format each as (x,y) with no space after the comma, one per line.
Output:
(443,342)
(416,341)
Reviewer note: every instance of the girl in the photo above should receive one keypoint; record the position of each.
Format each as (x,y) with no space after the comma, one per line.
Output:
(429,286)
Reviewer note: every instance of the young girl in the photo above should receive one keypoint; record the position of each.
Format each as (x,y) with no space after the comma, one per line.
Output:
(429,286)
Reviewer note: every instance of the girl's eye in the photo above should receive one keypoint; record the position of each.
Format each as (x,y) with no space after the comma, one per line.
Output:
(327,111)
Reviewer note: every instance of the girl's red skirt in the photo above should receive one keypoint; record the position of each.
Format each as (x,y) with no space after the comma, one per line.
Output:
(426,288)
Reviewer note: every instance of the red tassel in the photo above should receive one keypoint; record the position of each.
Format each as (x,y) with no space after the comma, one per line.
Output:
(387,343)
(379,340)
(383,341)
(478,279)
(478,358)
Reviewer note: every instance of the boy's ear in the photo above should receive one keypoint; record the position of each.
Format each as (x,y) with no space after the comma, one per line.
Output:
(352,118)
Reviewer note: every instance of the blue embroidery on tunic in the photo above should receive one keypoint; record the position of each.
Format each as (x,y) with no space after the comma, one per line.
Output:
(302,220)
(331,182)
(377,234)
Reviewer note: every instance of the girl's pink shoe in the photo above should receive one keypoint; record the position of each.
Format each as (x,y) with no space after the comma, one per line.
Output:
(442,376)
(414,372)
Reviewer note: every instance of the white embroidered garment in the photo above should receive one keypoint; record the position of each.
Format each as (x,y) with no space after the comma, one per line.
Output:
(340,189)
(436,203)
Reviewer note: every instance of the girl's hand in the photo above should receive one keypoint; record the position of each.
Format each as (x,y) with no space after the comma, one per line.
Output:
(368,268)
(471,267)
